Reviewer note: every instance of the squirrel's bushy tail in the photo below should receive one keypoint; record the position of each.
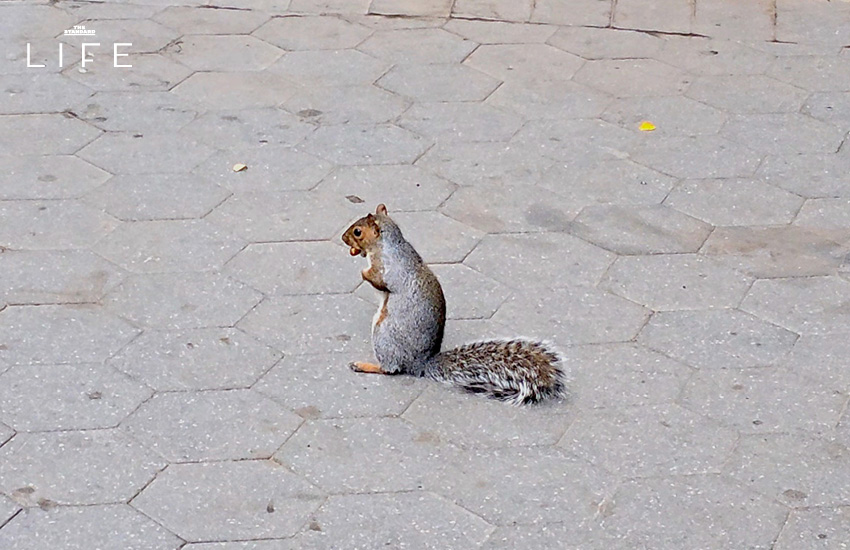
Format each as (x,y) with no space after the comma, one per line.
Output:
(517,371)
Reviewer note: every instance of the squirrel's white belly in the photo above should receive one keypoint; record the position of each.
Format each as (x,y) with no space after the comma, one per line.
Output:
(381,314)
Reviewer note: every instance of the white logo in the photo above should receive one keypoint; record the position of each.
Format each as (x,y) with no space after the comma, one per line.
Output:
(85,48)
(79,30)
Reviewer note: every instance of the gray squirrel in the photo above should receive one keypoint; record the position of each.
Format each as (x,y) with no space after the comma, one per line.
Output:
(407,330)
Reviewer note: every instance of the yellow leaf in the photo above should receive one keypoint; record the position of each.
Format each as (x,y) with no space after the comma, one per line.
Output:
(239,167)
(646,126)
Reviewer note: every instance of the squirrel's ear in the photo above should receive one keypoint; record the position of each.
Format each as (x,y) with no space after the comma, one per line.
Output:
(370,217)
(382,209)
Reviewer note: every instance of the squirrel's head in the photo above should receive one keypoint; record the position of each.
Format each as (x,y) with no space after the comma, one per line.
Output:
(365,232)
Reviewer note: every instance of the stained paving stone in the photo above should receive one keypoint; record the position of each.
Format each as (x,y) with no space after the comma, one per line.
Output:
(674,115)
(67,397)
(322,386)
(825,528)
(648,77)
(328,68)
(195,359)
(81,527)
(725,338)
(339,455)
(251,90)
(211,425)
(295,268)
(697,157)
(576,141)
(414,519)
(62,134)
(804,305)
(145,153)
(149,72)
(37,92)
(825,213)
(747,94)
(799,471)
(469,294)
(437,238)
(570,316)
(650,440)
(399,186)
(229,500)
(236,52)
(191,20)
(676,282)
(600,43)
(146,112)
(438,82)
(108,467)
(549,99)
(525,485)
(821,358)
(248,128)
(358,104)
(831,107)
(485,162)
(713,508)
(365,144)
(640,229)
(734,202)
(448,122)
(312,33)
(764,400)
(52,225)
(73,276)
(775,133)
(499,32)
(313,324)
(783,251)
(532,260)
(47,177)
(621,375)
(270,168)
(415,46)
(60,334)
(179,300)
(811,176)
(518,62)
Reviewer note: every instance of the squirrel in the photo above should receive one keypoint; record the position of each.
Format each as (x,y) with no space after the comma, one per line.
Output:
(407,330)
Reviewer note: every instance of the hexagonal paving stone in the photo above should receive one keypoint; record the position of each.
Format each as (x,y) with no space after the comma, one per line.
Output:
(312,33)
(747,94)
(821,357)
(832,107)
(520,62)
(74,276)
(524,485)
(540,98)
(799,471)
(499,32)
(616,181)
(764,400)
(734,202)
(47,177)
(313,324)
(551,536)
(149,72)
(469,294)
(576,141)
(575,315)
(179,300)
(596,43)
(701,56)
(365,144)
(248,128)
(235,52)
(67,397)
(409,520)
(191,20)
(676,282)
(157,197)
(485,162)
(49,225)
(650,440)
(351,455)
(141,35)
(270,168)
(785,251)
(329,68)
(818,527)
(539,260)
(640,229)
(40,92)
(399,186)
(60,334)
(717,339)
(816,73)
(229,500)
(804,305)
(811,176)
(357,104)
(196,359)
(212,425)
(646,77)
(169,245)
(674,115)
(438,82)
(413,46)
(697,157)
(622,375)
(825,213)
(448,122)
(437,238)
(59,134)
(108,466)
(136,112)
(780,133)
(145,153)
(248,90)
(709,514)
(468,420)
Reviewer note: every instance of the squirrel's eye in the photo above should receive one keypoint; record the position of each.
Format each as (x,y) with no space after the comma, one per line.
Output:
(357,232)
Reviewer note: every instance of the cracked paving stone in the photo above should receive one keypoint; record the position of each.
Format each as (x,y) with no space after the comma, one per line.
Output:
(59,134)
(67,397)
(108,527)
(804,305)
(438,82)
(145,153)
(250,90)
(401,187)
(365,144)
(270,168)
(312,33)
(697,157)
(234,53)
(61,334)
(229,500)
(597,43)
(108,466)
(47,177)
(815,529)
(51,225)
(195,359)
(211,425)
(136,112)
(246,128)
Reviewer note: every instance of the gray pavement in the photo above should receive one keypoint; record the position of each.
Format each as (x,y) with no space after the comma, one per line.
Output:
(174,334)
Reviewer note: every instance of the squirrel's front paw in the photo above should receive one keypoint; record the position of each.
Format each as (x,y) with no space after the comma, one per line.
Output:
(361,366)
